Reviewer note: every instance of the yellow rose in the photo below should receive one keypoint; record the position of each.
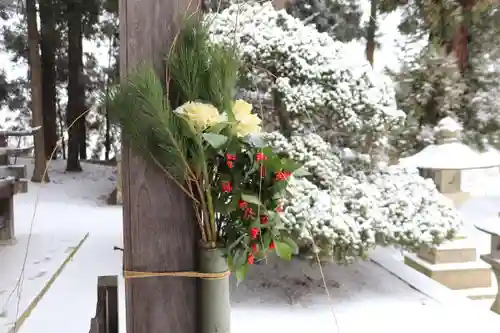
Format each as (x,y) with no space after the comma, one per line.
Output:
(201,115)
(246,122)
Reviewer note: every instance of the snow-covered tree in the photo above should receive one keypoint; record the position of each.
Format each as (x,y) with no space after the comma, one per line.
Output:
(430,87)
(316,83)
(333,110)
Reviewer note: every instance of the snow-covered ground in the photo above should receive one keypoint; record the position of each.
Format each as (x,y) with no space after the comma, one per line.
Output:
(366,296)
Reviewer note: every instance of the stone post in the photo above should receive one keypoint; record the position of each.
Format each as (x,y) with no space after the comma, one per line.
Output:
(493,258)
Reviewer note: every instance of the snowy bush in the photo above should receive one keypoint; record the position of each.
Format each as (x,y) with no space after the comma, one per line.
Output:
(341,215)
(318,84)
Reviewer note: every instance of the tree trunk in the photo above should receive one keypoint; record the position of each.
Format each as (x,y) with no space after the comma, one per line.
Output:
(370,33)
(39,173)
(75,69)
(159,223)
(460,42)
(48,45)
(82,137)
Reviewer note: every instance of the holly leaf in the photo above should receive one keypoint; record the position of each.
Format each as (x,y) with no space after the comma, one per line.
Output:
(290,165)
(241,273)
(293,246)
(301,172)
(234,244)
(238,259)
(250,198)
(283,250)
(215,140)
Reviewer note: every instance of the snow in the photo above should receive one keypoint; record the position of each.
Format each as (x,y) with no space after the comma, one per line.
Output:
(450,156)
(379,295)
(448,124)
(67,208)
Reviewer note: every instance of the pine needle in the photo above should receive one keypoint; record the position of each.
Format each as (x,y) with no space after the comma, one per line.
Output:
(147,122)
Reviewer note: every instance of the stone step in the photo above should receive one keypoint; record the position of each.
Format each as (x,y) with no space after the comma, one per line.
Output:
(456,251)
(488,293)
(475,274)
(458,198)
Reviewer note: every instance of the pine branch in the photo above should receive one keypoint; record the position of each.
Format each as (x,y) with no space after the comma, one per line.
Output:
(140,108)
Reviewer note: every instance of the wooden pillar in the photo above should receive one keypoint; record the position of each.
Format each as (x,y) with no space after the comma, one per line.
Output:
(159,225)
(7,234)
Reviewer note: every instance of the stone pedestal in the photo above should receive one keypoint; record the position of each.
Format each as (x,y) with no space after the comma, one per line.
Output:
(493,258)
(448,182)
(495,265)
(454,265)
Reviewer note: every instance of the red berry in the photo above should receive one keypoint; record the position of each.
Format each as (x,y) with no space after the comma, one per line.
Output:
(248,213)
(260,157)
(254,248)
(226,187)
(254,232)
(242,204)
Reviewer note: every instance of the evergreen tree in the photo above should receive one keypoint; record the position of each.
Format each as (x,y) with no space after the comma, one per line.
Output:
(341,19)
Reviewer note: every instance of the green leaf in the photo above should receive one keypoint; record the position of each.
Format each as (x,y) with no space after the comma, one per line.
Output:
(215,140)
(224,207)
(293,246)
(255,223)
(256,141)
(217,128)
(290,165)
(279,187)
(235,243)
(238,259)
(301,172)
(275,221)
(283,250)
(250,198)
(241,272)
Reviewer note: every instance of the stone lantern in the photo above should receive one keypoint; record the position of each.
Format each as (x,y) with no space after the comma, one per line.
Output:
(454,264)
(444,161)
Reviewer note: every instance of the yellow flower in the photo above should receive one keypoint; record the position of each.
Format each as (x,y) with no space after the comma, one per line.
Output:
(247,122)
(201,115)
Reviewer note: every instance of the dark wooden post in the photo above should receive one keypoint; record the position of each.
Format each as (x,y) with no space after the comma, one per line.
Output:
(160,231)
(7,191)
(106,315)
(4,158)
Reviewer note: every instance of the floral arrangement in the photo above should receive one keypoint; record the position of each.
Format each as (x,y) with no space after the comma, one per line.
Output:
(207,144)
